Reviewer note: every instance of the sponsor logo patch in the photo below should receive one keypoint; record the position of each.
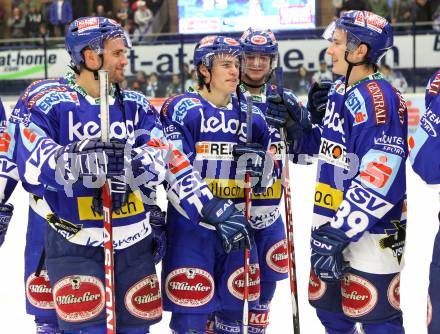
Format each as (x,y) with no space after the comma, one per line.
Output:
(39,291)
(214,151)
(143,299)
(317,287)
(378,170)
(189,287)
(395,240)
(133,207)
(356,105)
(236,282)
(87,24)
(328,197)
(379,106)
(182,107)
(367,201)
(391,144)
(226,188)
(393,292)
(359,296)
(434,85)
(258,40)
(333,153)
(373,21)
(277,257)
(79,298)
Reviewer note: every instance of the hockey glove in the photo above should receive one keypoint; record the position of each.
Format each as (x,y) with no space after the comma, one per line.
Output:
(230,224)
(91,157)
(317,100)
(119,191)
(157,222)
(5,217)
(286,111)
(327,244)
(251,159)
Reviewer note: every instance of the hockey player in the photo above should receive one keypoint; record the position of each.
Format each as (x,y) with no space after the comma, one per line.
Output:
(359,223)
(424,155)
(203,266)
(56,150)
(38,292)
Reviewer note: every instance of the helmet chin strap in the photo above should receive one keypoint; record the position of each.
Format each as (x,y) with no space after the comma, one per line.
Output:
(95,72)
(347,75)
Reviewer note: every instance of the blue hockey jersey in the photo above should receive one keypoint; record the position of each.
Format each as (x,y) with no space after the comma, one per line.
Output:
(424,144)
(54,113)
(206,134)
(361,183)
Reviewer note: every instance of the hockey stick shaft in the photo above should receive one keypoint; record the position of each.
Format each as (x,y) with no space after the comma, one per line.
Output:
(107,212)
(288,214)
(248,204)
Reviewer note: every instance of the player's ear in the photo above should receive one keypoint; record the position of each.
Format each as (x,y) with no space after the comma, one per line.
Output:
(362,51)
(205,72)
(91,59)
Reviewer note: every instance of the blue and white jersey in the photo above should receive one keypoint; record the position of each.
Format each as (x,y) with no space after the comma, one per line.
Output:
(424,143)
(206,134)
(53,113)
(267,208)
(361,182)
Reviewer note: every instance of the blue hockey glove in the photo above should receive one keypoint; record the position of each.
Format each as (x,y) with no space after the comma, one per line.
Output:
(157,222)
(230,224)
(286,111)
(255,156)
(119,191)
(91,157)
(327,244)
(5,217)
(317,100)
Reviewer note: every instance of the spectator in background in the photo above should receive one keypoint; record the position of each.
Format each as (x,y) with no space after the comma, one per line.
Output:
(401,11)
(352,5)
(129,26)
(425,10)
(24,7)
(323,73)
(395,78)
(154,5)
(192,83)
(2,17)
(79,9)
(100,11)
(61,14)
(124,12)
(174,87)
(143,17)
(17,23)
(136,86)
(107,4)
(153,86)
(33,21)
(301,84)
(43,32)
(380,7)
(141,78)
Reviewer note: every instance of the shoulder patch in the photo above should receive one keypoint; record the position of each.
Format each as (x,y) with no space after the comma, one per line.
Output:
(47,98)
(138,98)
(355,103)
(434,84)
(379,105)
(34,85)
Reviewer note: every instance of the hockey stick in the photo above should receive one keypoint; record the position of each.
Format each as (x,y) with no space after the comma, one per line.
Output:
(288,213)
(107,212)
(248,203)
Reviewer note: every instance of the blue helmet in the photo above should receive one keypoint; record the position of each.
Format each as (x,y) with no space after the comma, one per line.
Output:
(91,32)
(212,45)
(363,27)
(259,41)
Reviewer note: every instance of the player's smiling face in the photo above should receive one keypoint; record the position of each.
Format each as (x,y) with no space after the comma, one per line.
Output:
(257,67)
(337,50)
(115,59)
(225,73)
